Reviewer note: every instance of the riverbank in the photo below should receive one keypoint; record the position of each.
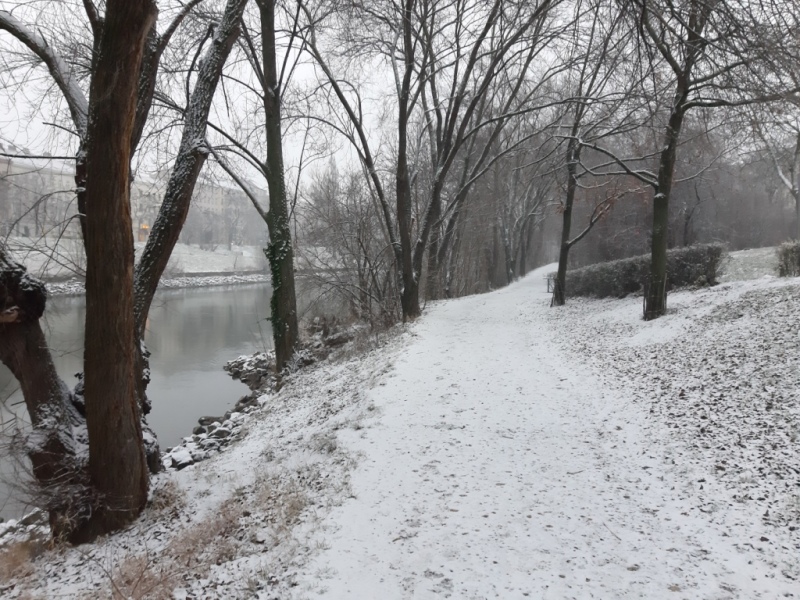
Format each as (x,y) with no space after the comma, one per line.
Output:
(494,448)
(59,259)
(75,287)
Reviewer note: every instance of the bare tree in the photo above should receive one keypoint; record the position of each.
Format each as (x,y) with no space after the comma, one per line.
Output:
(777,132)
(704,54)
(598,105)
(113,363)
(264,155)
(461,74)
(344,248)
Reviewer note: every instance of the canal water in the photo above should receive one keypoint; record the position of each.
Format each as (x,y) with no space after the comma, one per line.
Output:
(191,334)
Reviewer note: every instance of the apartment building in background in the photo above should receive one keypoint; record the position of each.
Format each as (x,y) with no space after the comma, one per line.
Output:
(38,200)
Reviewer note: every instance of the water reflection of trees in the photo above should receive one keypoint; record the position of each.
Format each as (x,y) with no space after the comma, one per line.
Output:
(188,329)
(186,326)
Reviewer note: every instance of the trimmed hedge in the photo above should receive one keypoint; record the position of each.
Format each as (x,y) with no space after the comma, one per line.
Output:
(694,265)
(789,259)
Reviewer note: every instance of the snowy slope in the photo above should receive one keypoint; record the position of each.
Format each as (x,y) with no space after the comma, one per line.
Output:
(502,467)
(497,448)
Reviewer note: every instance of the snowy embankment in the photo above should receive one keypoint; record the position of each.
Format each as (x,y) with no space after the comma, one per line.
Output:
(57,261)
(496,448)
(75,287)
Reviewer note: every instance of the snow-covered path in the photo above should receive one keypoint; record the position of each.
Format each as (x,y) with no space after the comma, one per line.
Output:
(497,467)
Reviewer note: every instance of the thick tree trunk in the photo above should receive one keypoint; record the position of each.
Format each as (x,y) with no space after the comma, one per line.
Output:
(117,466)
(409,294)
(656,298)
(280,252)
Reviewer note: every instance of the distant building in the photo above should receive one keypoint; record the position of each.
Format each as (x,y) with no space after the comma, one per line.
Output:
(223,216)
(37,196)
(37,200)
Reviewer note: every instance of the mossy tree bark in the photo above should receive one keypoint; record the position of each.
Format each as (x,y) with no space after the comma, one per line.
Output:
(280,252)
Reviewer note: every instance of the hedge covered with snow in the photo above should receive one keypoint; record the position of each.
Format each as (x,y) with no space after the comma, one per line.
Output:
(694,265)
(789,259)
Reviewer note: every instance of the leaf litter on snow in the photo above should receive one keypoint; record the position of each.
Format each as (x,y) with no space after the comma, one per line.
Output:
(718,377)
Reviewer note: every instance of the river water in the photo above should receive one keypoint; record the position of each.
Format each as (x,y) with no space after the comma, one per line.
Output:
(191,334)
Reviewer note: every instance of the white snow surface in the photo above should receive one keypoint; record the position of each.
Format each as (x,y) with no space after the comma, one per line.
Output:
(498,448)
(504,466)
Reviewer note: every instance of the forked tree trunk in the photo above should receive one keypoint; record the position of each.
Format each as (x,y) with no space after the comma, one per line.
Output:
(280,253)
(117,466)
(192,154)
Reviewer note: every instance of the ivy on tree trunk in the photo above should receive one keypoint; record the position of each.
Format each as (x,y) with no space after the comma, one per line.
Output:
(279,252)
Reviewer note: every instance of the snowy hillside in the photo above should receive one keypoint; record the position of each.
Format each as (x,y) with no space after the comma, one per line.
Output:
(497,448)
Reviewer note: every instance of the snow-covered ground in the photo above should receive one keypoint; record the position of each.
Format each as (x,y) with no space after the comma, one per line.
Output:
(189,259)
(497,448)
(754,263)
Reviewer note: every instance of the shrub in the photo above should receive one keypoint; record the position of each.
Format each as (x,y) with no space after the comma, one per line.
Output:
(693,265)
(789,259)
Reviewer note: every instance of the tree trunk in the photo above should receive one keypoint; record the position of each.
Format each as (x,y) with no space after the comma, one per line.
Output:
(656,298)
(797,215)
(560,284)
(433,280)
(795,175)
(452,239)
(191,157)
(51,447)
(508,252)
(117,466)
(687,226)
(174,209)
(409,294)
(280,253)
